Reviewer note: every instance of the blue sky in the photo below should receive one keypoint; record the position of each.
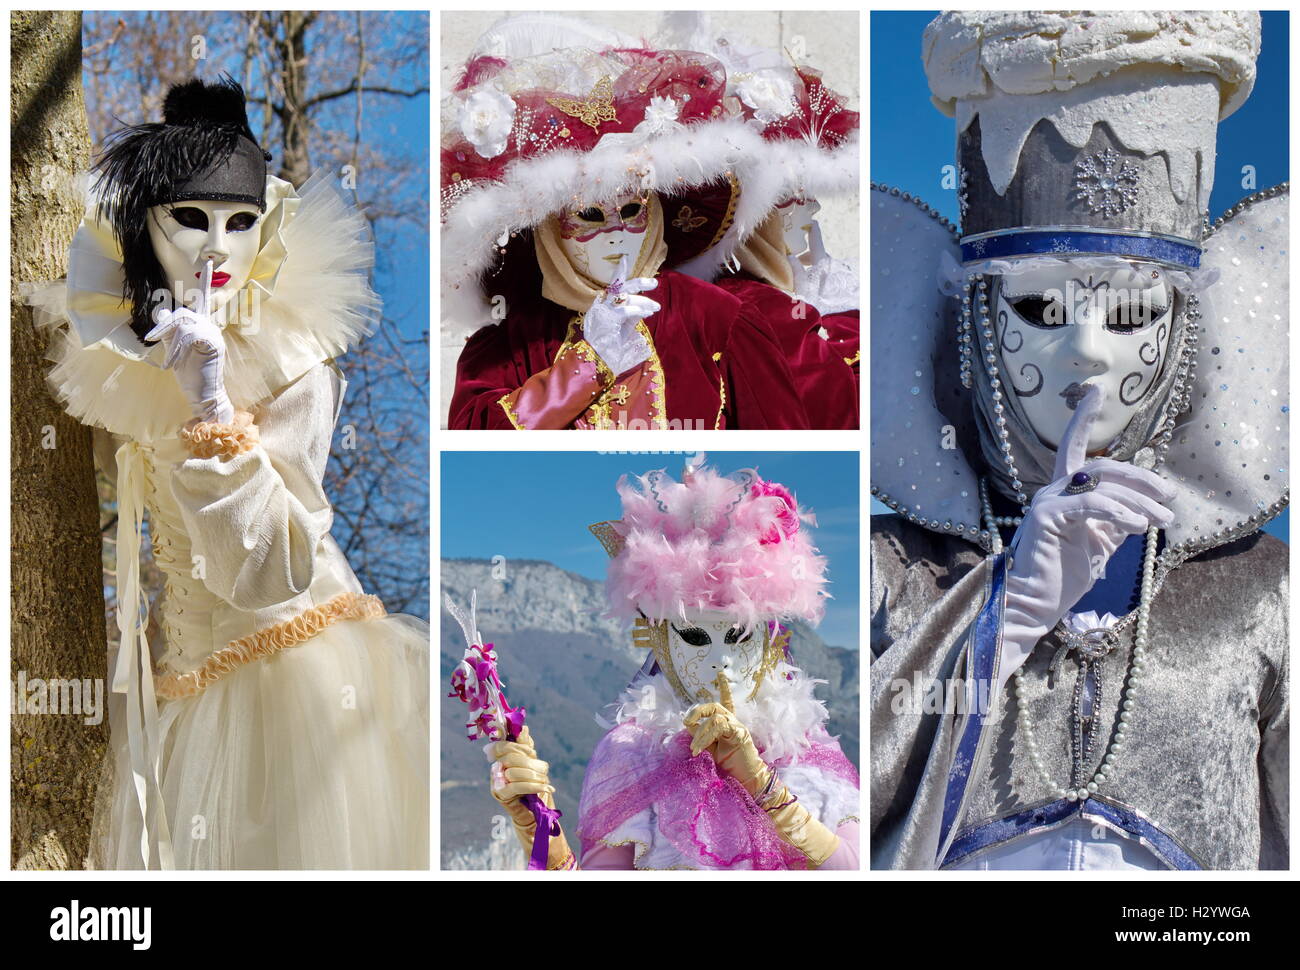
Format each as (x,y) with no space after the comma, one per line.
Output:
(537,505)
(911,140)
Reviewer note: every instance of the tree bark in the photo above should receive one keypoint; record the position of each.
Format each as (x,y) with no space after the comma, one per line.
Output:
(57,614)
(295,123)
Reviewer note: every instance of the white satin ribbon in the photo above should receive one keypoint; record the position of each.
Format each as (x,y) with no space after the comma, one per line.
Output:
(133,674)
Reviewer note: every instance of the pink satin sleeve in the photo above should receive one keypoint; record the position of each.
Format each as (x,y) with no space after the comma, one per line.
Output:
(845,855)
(601,856)
(558,396)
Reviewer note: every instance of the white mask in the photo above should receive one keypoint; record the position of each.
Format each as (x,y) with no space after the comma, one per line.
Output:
(797,218)
(185,235)
(707,644)
(1062,330)
(594,237)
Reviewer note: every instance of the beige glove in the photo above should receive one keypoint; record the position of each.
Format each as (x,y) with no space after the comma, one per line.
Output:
(516,772)
(715,729)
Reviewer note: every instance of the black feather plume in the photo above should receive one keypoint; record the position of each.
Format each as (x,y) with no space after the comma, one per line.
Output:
(142,165)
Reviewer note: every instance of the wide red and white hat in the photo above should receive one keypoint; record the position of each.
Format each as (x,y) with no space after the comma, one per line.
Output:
(526,133)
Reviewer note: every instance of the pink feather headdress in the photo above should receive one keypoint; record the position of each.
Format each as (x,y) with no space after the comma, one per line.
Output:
(732,543)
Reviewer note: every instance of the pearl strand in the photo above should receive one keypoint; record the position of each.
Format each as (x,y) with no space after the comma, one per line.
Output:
(1181,401)
(1128,701)
(991,357)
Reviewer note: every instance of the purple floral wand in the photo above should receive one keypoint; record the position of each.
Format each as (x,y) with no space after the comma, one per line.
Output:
(476,682)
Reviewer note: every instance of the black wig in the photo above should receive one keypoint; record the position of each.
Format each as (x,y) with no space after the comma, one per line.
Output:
(202,149)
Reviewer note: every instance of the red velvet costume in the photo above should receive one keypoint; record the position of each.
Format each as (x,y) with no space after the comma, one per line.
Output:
(824,369)
(718,361)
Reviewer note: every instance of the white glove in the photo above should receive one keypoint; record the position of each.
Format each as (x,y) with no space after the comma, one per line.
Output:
(196,354)
(609,325)
(1065,540)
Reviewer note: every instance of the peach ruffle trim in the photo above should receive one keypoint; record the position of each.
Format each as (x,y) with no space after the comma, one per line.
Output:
(264,643)
(208,439)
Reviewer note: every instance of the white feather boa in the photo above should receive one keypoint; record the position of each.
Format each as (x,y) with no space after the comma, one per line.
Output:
(784,718)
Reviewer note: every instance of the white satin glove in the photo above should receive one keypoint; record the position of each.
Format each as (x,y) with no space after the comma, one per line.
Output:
(196,354)
(1065,540)
(610,324)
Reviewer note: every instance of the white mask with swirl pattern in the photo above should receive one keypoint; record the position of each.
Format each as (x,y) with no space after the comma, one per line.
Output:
(1061,329)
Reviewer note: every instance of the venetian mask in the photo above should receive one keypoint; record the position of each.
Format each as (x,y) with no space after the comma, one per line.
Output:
(698,650)
(185,235)
(1061,330)
(797,218)
(596,236)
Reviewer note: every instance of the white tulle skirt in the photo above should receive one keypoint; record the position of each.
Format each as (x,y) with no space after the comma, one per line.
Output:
(316,757)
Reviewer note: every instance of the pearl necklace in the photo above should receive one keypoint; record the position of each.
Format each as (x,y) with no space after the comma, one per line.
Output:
(1128,699)
(1141,617)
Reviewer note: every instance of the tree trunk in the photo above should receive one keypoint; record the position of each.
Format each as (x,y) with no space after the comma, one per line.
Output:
(58,627)
(295,167)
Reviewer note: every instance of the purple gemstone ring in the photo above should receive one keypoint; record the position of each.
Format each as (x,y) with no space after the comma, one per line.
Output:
(1081,482)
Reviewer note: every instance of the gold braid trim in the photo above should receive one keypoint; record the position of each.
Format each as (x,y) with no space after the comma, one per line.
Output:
(854,359)
(509,409)
(588,353)
(209,439)
(264,643)
(658,386)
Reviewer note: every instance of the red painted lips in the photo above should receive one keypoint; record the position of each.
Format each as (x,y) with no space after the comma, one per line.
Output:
(218,279)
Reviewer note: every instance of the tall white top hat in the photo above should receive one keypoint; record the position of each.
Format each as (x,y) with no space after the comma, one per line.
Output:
(1091,132)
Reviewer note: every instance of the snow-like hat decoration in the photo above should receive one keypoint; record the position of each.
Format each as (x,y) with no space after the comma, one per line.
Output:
(527,133)
(731,543)
(1088,133)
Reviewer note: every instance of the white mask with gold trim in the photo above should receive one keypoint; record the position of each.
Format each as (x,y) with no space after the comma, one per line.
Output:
(595,237)
(707,656)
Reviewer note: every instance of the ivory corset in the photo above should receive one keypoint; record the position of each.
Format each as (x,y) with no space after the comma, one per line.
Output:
(243,541)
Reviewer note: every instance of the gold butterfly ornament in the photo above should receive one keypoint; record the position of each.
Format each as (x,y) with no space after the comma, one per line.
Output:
(593,110)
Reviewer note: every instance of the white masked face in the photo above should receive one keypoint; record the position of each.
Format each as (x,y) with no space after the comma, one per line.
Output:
(185,235)
(1061,330)
(595,236)
(708,644)
(797,217)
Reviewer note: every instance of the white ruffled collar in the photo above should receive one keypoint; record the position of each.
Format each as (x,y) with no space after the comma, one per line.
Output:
(314,299)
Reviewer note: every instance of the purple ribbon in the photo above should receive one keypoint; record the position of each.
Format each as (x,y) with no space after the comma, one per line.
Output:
(548,827)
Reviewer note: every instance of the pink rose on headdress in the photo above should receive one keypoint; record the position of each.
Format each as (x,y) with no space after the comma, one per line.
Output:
(787,516)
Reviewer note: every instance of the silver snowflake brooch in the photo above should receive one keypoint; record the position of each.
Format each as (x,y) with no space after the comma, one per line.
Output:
(1105,184)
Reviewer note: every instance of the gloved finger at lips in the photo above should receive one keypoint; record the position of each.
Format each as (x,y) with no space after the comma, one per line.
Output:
(1073,450)
(205,289)
(616,285)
